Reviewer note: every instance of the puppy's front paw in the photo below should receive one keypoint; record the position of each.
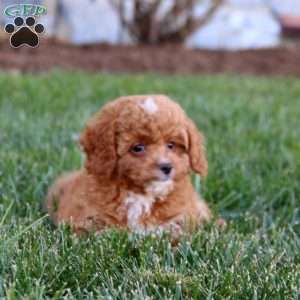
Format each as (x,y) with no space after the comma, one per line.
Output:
(221,223)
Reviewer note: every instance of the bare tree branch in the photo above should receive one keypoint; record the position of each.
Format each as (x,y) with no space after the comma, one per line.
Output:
(177,23)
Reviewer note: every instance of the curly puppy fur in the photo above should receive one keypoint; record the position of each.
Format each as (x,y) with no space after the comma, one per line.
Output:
(124,182)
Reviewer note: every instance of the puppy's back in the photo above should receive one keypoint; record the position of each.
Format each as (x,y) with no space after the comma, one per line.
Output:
(56,192)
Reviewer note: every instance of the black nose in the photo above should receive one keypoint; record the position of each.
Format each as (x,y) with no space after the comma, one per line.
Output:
(166,168)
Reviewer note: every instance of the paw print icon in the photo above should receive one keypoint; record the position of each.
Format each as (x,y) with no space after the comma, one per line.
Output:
(24,33)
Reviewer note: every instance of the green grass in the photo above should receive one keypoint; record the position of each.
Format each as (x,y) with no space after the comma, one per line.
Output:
(252,129)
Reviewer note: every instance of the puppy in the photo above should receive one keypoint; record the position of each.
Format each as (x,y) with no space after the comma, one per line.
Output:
(140,151)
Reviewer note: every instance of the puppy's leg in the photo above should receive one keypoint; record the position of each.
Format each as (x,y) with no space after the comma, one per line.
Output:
(203,212)
(89,224)
(205,215)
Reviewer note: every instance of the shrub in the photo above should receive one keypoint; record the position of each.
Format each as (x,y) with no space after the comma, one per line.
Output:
(161,21)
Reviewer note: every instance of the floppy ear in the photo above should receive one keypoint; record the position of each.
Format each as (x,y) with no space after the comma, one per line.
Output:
(196,149)
(98,142)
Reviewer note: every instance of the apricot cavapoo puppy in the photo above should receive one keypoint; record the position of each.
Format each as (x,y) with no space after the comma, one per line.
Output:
(140,151)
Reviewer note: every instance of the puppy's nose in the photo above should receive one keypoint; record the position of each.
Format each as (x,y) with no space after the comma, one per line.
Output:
(166,168)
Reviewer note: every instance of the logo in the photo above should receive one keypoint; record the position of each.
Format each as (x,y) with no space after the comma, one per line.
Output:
(24,10)
(24,30)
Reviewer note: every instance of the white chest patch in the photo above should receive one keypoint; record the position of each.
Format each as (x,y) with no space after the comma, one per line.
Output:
(149,105)
(159,189)
(139,206)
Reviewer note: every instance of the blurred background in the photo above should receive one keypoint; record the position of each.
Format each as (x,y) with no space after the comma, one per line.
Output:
(169,36)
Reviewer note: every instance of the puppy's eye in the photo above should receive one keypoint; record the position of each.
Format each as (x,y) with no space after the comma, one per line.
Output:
(138,148)
(171,145)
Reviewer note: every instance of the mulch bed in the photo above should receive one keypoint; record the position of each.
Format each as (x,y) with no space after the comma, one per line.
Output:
(168,59)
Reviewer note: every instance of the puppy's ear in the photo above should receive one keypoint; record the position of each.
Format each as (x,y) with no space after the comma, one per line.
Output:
(98,142)
(196,149)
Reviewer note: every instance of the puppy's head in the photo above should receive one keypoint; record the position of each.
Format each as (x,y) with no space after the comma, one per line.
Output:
(143,139)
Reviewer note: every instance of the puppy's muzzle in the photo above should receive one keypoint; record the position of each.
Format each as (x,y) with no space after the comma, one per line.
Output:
(166,168)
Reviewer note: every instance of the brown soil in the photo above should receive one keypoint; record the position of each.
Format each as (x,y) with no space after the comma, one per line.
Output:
(166,59)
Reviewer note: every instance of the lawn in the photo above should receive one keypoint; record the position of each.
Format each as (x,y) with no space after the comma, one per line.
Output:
(252,130)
